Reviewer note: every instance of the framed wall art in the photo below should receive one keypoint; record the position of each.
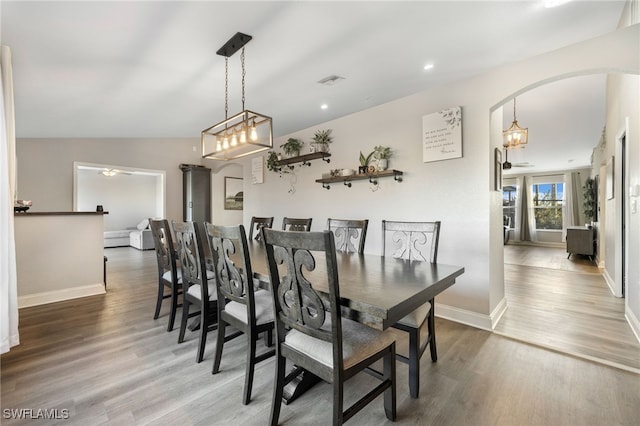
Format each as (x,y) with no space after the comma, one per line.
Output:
(442,135)
(233,193)
(497,169)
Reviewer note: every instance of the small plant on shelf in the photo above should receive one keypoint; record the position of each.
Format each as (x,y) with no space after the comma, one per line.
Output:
(272,161)
(382,154)
(322,139)
(364,162)
(292,147)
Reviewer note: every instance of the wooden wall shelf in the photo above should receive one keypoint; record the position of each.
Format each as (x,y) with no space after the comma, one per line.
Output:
(304,159)
(372,177)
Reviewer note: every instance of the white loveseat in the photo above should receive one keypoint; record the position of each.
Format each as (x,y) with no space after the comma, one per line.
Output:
(139,237)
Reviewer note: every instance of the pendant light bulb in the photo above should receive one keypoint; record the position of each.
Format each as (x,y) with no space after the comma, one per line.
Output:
(225,142)
(218,145)
(234,139)
(243,134)
(254,133)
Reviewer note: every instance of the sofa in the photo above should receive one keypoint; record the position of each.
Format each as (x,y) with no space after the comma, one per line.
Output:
(139,237)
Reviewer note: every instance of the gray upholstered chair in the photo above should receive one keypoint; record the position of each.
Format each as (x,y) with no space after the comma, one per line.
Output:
(258,223)
(294,224)
(350,235)
(198,283)
(414,241)
(310,331)
(169,276)
(240,305)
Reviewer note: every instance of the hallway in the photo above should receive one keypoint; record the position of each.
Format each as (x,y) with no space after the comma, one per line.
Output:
(565,305)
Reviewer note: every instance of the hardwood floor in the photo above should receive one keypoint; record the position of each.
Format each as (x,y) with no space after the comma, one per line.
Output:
(565,305)
(105,360)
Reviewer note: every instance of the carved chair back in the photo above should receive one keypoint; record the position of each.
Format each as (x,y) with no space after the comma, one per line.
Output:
(163,241)
(292,265)
(350,235)
(191,254)
(259,223)
(232,267)
(293,224)
(411,240)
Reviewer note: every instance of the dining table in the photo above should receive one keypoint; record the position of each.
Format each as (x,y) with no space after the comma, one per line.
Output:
(375,290)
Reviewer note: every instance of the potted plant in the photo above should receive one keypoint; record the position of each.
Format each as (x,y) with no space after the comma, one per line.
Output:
(589,191)
(364,162)
(272,161)
(292,147)
(382,154)
(322,139)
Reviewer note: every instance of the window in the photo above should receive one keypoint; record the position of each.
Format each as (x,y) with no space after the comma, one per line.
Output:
(547,204)
(509,196)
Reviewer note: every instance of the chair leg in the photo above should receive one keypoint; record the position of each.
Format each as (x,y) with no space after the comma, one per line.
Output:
(251,363)
(159,300)
(174,308)
(431,325)
(185,318)
(268,338)
(414,362)
(204,327)
(338,414)
(219,345)
(389,369)
(278,387)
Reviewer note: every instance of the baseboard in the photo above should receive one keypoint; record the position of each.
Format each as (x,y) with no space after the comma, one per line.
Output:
(60,295)
(497,313)
(463,316)
(610,281)
(633,323)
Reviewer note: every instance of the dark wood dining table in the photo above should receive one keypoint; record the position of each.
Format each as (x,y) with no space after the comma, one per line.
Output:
(375,290)
(378,290)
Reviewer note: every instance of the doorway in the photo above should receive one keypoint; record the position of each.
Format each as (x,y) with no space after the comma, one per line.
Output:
(128,194)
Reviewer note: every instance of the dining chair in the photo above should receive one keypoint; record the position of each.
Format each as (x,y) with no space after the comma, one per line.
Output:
(259,223)
(350,235)
(310,331)
(293,224)
(240,305)
(198,283)
(169,276)
(414,241)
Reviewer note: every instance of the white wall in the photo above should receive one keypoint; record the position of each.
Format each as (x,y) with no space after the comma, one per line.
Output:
(127,198)
(220,215)
(45,166)
(458,192)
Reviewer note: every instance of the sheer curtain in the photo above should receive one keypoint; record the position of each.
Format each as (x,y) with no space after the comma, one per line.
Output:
(8,280)
(571,204)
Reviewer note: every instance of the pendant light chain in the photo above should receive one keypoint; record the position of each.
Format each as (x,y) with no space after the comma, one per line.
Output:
(514,109)
(243,74)
(226,88)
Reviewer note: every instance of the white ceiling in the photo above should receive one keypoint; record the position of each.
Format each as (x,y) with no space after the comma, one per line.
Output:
(149,69)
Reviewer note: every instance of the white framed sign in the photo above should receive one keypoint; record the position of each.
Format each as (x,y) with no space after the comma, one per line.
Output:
(257,170)
(442,135)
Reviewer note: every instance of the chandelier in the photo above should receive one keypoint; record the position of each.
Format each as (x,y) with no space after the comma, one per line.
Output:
(244,133)
(515,136)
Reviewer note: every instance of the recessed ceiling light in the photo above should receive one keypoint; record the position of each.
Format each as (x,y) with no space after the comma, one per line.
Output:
(428,67)
(324,106)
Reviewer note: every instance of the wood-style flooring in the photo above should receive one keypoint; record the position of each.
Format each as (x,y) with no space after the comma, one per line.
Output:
(105,360)
(565,305)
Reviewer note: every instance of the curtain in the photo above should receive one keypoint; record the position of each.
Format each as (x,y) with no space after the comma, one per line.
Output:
(518,225)
(571,204)
(528,219)
(8,278)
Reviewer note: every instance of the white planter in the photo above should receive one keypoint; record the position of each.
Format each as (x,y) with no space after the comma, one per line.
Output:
(383,163)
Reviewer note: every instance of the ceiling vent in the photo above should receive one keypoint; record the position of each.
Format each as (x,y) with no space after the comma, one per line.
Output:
(331,80)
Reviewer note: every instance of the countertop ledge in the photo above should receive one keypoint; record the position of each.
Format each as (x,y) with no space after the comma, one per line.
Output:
(27,213)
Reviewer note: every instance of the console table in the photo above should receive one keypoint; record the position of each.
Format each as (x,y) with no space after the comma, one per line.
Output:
(580,240)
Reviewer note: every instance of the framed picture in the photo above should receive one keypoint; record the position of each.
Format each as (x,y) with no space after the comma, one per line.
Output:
(442,135)
(497,169)
(610,176)
(233,193)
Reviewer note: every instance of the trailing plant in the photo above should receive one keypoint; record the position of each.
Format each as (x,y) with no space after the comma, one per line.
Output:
(589,203)
(272,161)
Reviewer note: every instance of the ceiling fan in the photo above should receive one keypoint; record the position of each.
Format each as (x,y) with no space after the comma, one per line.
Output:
(507,165)
(112,172)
